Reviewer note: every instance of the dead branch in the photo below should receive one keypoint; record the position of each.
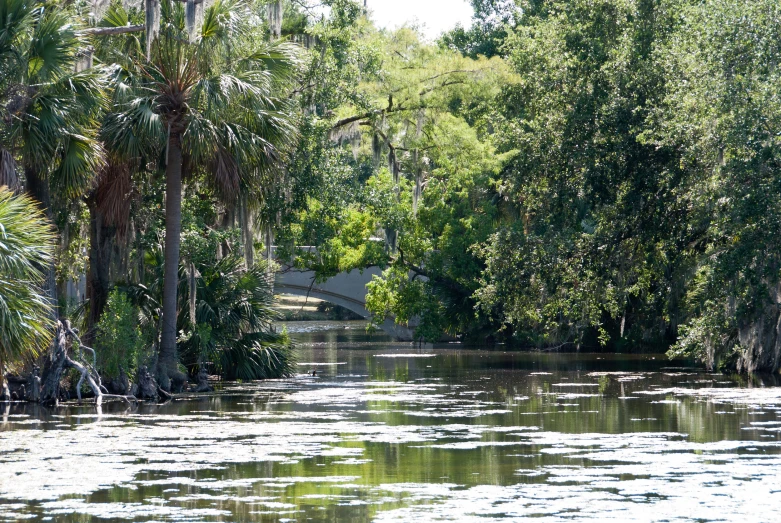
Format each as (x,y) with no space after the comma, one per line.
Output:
(111,31)
(61,360)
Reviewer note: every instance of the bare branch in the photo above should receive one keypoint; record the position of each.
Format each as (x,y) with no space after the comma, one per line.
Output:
(450,72)
(109,31)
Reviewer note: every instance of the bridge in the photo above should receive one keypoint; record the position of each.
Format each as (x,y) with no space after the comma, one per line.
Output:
(346,289)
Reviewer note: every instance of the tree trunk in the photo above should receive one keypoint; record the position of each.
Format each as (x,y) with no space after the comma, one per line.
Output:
(98,278)
(168,376)
(275,19)
(760,337)
(247,236)
(4,393)
(52,371)
(38,189)
(226,222)
(59,361)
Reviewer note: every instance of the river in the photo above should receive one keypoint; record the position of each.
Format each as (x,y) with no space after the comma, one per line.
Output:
(392,432)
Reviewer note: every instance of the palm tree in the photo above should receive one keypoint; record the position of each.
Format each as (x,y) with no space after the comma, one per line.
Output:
(207,102)
(226,317)
(48,109)
(26,244)
(230,323)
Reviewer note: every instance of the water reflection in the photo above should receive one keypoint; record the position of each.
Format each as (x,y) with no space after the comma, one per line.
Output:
(395,432)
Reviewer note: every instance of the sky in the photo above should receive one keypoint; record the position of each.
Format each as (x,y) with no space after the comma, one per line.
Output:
(436,16)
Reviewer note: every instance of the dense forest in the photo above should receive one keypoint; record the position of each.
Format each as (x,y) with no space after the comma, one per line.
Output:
(591,175)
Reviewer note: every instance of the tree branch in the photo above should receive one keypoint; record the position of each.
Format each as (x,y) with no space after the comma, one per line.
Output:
(440,86)
(388,110)
(434,279)
(351,119)
(420,271)
(108,31)
(449,72)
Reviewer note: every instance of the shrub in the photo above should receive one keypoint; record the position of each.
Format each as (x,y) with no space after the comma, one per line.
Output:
(118,341)
(233,329)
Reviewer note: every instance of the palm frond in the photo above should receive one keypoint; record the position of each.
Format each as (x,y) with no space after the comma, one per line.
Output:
(53,46)
(26,244)
(233,321)
(80,160)
(120,49)
(16,20)
(135,130)
(224,21)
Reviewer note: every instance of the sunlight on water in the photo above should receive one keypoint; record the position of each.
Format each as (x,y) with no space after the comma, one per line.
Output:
(392,432)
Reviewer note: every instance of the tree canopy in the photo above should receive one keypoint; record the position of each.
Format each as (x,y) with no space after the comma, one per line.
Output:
(596,175)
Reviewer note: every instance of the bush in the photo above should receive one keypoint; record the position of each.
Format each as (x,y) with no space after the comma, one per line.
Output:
(118,341)
(233,331)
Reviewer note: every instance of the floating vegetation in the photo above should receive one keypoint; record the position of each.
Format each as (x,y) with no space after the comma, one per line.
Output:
(408,439)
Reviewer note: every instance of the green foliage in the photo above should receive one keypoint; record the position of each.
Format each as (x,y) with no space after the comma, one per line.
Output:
(226,85)
(491,24)
(26,244)
(71,259)
(50,110)
(233,333)
(595,249)
(722,109)
(601,173)
(232,328)
(118,343)
(615,186)
(424,109)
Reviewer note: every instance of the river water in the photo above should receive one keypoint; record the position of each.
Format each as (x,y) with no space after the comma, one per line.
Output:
(392,432)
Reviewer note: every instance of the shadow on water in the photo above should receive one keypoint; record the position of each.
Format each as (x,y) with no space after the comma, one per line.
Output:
(395,432)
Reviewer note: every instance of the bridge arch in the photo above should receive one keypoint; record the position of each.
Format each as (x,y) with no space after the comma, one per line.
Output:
(346,289)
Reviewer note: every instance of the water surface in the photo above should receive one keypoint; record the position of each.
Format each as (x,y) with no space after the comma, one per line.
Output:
(392,432)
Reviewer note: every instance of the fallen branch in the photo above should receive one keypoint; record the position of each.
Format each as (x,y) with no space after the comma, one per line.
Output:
(167,396)
(61,360)
(86,372)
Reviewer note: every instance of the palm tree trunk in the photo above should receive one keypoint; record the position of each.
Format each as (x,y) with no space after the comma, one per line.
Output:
(98,280)
(167,362)
(38,189)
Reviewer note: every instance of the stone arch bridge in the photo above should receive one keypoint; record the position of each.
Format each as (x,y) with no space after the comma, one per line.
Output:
(346,289)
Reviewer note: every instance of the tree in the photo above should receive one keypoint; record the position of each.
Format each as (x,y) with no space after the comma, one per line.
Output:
(113,192)
(723,111)
(49,105)
(492,23)
(596,251)
(207,104)
(26,245)
(406,159)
